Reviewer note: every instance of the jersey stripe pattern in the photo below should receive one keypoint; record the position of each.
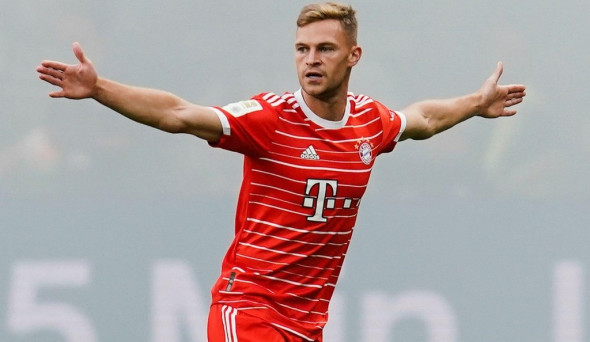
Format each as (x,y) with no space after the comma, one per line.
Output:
(304,177)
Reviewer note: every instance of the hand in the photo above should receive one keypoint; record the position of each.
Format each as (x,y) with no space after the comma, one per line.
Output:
(76,81)
(495,99)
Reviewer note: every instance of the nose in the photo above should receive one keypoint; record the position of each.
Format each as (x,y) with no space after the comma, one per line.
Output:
(312,57)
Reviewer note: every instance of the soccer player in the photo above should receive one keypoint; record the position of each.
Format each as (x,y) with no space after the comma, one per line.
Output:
(307,160)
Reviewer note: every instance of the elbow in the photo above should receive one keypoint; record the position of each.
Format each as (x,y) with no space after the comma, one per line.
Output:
(419,126)
(173,122)
(421,132)
(428,131)
(170,124)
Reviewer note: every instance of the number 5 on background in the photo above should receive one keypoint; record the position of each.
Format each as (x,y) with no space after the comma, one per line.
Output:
(26,314)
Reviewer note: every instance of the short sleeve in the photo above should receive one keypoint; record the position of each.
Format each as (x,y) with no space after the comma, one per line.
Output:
(394,124)
(247,127)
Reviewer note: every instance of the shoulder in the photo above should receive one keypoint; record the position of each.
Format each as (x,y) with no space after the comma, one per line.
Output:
(266,103)
(367,105)
(393,122)
(276,102)
(361,101)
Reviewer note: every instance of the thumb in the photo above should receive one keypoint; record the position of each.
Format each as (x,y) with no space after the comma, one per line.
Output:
(498,72)
(79,53)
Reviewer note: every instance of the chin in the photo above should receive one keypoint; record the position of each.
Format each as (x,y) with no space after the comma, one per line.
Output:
(312,90)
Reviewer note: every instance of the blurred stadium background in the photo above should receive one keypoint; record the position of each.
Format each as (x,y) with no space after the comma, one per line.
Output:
(110,231)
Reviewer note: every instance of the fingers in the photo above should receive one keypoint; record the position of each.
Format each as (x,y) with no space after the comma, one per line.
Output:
(53,73)
(75,81)
(57,94)
(50,71)
(516,89)
(512,102)
(509,112)
(56,81)
(53,65)
(513,91)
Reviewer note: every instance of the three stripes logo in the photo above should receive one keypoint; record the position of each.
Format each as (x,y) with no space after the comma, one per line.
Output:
(310,153)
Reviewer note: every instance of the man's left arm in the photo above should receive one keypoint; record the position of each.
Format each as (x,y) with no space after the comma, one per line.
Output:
(429,117)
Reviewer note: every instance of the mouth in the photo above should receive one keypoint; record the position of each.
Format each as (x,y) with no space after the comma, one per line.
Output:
(313,75)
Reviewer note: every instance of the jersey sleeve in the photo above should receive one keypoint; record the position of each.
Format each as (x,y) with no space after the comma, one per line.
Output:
(247,126)
(394,124)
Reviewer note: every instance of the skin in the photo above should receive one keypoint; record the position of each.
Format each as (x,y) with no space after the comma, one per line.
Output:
(324,57)
(152,107)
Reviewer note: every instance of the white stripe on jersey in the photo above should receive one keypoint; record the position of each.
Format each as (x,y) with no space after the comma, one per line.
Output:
(263,260)
(279,208)
(289,253)
(280,176)
(290,282)
(285,239)
(273,99)
(272,250)
(293,332)
(361,113)
(316,168)
(298,230)
(290,98)
(293,123)
(327,140)
(362,100)
(299,203)
(302,182)
(324,159)
(298,241)
(352,126)
(277,188)
(315,267)
(304,276)
(275,198)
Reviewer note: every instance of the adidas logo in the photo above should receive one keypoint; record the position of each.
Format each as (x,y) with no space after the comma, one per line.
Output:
(310,153)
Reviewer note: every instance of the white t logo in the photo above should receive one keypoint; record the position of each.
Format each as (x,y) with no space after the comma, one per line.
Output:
(321,201)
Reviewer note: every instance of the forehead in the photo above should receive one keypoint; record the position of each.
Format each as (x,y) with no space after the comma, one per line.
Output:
(319,32)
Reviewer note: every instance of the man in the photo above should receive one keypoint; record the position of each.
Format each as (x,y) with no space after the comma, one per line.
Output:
(307,160)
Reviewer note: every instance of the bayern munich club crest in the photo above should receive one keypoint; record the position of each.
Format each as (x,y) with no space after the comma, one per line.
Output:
(365,149)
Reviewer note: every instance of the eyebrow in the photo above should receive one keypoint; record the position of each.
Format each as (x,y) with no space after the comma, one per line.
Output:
(318,44)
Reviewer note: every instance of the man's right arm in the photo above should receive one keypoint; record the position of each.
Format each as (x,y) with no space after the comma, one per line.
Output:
(152,107)
(159,109)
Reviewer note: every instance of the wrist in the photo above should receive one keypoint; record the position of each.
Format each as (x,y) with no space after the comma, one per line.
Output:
(477,104)
(99,89)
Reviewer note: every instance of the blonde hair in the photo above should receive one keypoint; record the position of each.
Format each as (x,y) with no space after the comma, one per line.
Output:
(330,10)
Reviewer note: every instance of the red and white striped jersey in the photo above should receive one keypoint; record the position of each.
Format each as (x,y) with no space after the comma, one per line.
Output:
(304,177)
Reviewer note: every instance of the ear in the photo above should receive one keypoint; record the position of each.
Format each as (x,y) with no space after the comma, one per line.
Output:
(355,55)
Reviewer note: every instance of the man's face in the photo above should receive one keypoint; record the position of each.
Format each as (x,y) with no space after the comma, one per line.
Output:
(324,55)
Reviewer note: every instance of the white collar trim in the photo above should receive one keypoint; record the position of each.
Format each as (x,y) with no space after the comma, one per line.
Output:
(319,120)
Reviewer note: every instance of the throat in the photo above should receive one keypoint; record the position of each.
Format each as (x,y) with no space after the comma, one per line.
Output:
(326,107)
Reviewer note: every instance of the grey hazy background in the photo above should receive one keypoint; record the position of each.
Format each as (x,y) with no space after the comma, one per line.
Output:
(481,214)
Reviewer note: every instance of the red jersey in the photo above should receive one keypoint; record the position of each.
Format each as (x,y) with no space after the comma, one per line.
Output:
(304,177)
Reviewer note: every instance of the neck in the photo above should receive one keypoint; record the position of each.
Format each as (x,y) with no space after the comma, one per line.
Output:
(327,107)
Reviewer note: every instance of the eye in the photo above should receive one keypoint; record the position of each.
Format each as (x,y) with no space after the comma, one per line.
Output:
(301,49)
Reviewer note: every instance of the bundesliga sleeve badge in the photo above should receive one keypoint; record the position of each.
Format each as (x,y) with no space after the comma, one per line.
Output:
(243,107)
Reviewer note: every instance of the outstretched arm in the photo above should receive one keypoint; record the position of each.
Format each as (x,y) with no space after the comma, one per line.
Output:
(152,107)
(427,118)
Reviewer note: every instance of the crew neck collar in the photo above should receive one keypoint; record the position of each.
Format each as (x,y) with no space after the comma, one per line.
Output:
(318,120)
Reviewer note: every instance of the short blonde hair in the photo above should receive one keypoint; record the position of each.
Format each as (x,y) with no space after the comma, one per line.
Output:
(330,10)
